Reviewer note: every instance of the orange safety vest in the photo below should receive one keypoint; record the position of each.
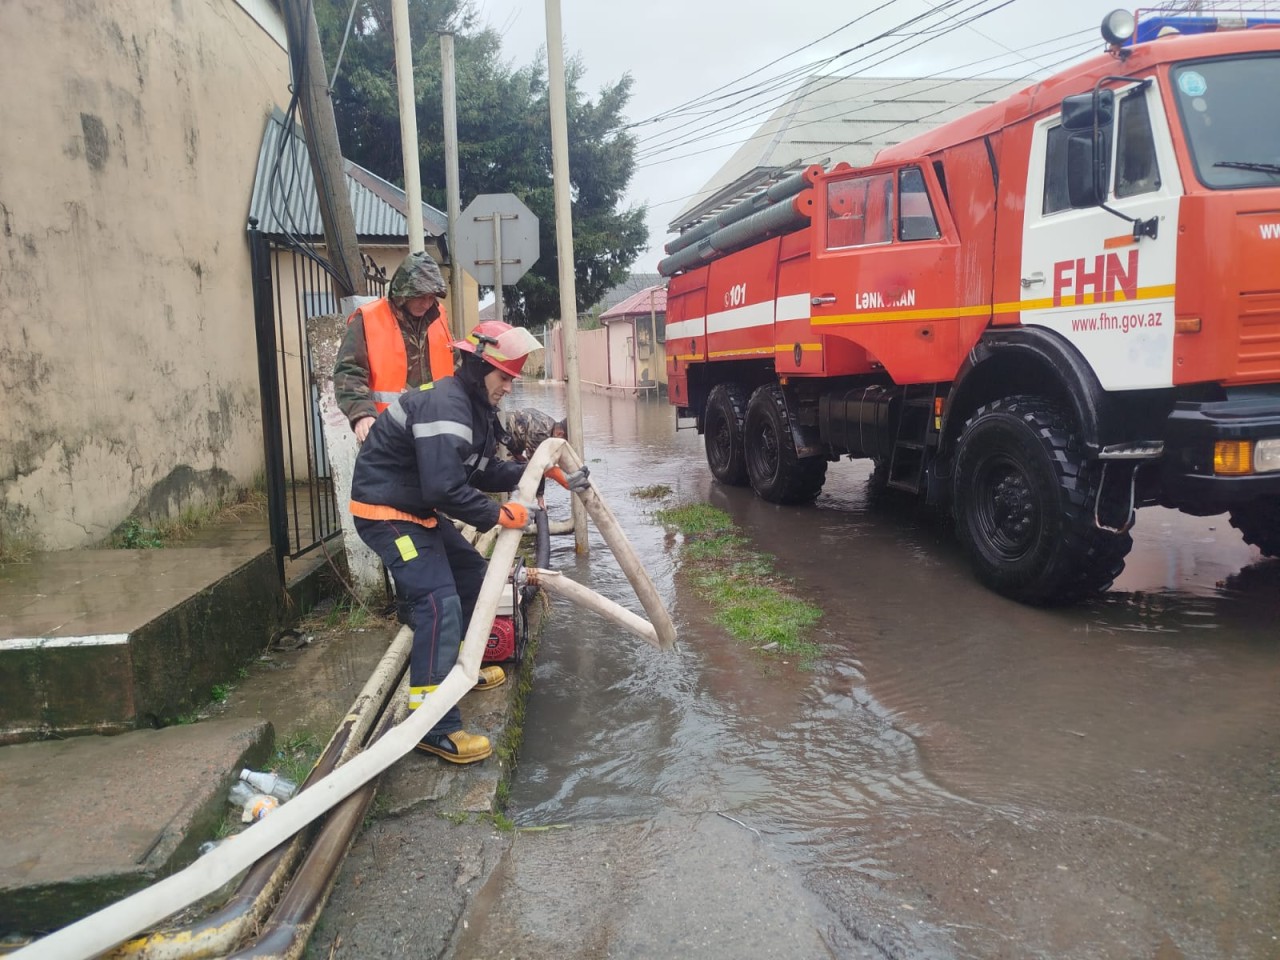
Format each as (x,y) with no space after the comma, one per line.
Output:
(388,361)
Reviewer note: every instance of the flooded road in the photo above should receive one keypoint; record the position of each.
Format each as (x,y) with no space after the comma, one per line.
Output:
(958,776)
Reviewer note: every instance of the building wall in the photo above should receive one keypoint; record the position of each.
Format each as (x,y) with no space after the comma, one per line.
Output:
(622,353)
(127,353)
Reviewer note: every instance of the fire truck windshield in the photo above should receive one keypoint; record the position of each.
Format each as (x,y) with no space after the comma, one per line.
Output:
(1232,119)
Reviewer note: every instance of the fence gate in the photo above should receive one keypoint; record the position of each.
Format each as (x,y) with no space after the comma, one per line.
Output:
(290,285)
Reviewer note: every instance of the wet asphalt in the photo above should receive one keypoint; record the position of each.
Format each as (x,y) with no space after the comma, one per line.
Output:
(957,776)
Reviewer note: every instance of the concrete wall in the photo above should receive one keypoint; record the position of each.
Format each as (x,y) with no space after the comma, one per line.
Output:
(127,355)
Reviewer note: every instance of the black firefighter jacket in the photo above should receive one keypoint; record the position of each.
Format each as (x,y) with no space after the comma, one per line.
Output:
(433,449)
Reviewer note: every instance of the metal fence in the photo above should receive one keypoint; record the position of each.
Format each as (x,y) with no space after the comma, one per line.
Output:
(289,286)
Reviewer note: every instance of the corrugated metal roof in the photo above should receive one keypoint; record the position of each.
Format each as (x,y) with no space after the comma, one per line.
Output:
(830,119)
(639,303)
(284,197)
(634,282)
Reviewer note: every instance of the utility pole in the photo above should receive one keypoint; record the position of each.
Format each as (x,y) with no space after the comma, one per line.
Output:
(321,131)
(564,249)
(451,187)
(408,124)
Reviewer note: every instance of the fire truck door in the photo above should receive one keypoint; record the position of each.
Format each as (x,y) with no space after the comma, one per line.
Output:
(882,274)
(1083,273)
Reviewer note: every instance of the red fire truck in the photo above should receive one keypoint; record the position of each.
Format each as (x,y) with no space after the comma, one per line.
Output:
(1041,316)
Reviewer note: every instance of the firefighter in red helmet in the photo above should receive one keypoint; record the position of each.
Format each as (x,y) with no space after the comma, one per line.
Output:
(431,453)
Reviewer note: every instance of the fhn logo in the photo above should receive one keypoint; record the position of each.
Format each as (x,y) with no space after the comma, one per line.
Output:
(1099,281)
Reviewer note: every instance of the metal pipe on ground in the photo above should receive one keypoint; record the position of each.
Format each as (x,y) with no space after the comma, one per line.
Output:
(285,936)
(110,926)
(230,924)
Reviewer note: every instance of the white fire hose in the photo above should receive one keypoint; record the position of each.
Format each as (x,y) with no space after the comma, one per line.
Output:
(111,925)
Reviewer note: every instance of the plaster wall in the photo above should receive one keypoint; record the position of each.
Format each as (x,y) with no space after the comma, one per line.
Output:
(127,353)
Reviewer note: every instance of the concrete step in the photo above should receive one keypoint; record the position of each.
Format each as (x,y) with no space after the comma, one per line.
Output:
(102,641)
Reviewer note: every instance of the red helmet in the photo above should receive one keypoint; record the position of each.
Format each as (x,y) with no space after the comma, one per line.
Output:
(502,345)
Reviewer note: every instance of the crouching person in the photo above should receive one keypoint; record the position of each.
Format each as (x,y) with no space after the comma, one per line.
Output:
(433,450)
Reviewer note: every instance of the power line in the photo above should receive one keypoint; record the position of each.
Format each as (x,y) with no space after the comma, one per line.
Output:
(737,122)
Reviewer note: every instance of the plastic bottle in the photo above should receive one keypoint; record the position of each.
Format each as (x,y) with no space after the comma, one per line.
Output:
(271,783)
(259,805)
(241,793)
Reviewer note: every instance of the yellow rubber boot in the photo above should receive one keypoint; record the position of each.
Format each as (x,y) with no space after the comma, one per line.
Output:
(490,677)
(457,747)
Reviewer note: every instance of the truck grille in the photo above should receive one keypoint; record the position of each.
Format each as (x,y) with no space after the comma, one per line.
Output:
(1258,354)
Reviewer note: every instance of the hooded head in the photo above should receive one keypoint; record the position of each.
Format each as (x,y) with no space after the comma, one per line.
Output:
(416,285)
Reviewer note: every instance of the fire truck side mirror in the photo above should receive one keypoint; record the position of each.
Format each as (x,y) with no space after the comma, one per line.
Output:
(1080,112)
(1087,119)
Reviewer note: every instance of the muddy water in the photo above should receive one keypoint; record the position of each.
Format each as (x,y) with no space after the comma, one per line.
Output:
(959,777)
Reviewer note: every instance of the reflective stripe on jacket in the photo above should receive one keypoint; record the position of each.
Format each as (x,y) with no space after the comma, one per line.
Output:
(433,450)
(388,362)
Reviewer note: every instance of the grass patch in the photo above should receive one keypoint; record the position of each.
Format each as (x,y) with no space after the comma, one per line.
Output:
(751,600)
(295,755)
(15,550)
(220,692)
(134,534)
(345,612)
(658,491)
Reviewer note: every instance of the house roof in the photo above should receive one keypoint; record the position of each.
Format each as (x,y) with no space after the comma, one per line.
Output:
(830,119)
(284,199)
(634,283)
(651,299)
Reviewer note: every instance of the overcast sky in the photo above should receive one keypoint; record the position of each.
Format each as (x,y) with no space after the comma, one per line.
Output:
(679,50)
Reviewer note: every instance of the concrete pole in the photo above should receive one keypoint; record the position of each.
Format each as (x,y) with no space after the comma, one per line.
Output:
(451,187)
(497,266)
(408,123)
(564,248)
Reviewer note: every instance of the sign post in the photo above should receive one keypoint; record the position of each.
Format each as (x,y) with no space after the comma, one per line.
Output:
(497,241)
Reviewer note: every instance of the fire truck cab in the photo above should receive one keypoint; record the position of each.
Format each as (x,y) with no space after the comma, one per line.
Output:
(1041,316)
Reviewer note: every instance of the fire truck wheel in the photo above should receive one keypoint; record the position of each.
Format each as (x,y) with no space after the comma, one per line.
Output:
(722,433)
(778,474)
(1023,499)
(1259,522)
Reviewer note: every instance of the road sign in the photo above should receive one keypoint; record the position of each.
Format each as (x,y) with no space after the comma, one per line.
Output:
(497,221)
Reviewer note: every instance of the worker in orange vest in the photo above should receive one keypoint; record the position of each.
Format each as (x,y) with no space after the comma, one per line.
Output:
(395,342)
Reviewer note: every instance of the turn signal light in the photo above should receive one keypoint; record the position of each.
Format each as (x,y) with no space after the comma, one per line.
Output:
(1186,325)
(1232,457)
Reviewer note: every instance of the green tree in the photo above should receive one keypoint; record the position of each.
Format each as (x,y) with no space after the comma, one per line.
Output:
(504,138)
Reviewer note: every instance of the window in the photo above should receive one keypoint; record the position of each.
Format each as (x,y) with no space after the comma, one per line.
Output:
(860,211)
(915,212)
(1231,116)
(1136,168)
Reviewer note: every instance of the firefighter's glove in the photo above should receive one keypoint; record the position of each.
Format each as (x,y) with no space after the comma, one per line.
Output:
(513,515)
(579,480)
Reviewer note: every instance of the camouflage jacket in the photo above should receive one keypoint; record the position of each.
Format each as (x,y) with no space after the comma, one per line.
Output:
(524,429)
(351,369)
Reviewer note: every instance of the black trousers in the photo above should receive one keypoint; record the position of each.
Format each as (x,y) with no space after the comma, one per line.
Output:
(439,575)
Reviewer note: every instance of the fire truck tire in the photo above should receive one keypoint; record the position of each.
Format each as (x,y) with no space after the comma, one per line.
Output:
(722,434)
(1023,499)
(1259,522)
(778,474)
